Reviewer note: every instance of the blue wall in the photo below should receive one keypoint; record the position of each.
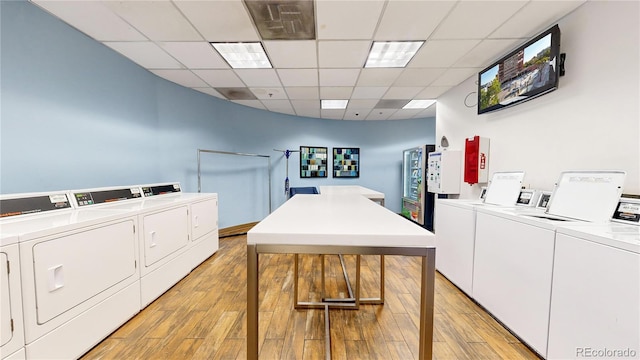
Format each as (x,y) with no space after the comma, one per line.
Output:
(76,114)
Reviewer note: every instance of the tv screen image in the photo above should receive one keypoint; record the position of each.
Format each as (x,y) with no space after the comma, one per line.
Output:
(529,71)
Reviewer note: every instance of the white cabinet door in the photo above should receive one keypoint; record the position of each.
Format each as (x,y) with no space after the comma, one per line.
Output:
(595,303)
(455,233)
(512,275)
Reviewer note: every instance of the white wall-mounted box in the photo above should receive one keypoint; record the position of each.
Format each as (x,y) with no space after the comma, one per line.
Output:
(443,172)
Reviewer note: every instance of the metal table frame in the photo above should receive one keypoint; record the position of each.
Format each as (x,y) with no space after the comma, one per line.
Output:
(428,255)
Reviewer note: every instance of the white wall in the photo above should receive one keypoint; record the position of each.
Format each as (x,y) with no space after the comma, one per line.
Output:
(591,122)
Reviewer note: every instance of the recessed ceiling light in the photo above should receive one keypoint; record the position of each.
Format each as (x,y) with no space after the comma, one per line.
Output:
(392,53)
(244,55)
(333,104)
(419,104)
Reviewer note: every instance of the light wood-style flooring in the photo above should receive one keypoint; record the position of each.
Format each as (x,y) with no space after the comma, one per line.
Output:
(204,315)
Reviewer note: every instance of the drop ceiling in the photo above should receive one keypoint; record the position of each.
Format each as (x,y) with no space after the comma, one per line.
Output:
(324,60)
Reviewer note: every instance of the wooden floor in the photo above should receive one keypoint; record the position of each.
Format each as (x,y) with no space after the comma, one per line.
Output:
(204,315)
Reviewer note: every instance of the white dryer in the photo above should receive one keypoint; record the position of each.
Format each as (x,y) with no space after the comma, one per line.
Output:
(455,227)
(11,321)
(595,296)
(79,278)
(514,251)
(177,231)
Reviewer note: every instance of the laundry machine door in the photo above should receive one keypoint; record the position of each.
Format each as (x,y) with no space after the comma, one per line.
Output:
(204,217)
(70,269)
(165,233)
(6,331)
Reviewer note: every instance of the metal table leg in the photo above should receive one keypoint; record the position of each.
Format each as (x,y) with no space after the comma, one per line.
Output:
(252,303)
(427,291)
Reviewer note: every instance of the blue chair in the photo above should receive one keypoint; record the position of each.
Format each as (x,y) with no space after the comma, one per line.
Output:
(302,190)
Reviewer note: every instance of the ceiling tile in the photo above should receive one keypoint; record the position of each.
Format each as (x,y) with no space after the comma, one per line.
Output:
(485,53)
(380,114)
(356,114)
(405,114)
(303,93)
(298,77)
(455,76)
(338,77)
(182,77)
(145,54)
(310,108)
(292,54)
(411,20)
(343,54)
(476,19)
(220,78)
(441,53)
(525,23)
(220,21)
(360,104)
(369,92)
(418,77)
(209,91)
(195,55)
(347,19)
(335,92)
(252,103)
(265,93)
(259,77)
(432,92)
(398,92)
(279,106)
(158,20)
(332,114)
(378,77)
(94,19)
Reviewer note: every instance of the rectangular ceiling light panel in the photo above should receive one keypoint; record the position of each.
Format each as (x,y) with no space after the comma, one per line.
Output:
(244,55)
(392,54)
(419,104)
(333,104)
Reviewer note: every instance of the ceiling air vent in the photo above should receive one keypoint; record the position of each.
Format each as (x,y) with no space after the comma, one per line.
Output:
(236,93)
(391,104)
(283,20)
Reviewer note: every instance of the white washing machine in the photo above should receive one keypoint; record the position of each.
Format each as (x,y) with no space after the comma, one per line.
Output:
(514,251)
(595,298)
(79,278)
(455,227)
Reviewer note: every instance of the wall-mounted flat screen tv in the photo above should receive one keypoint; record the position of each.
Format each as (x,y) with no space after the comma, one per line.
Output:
(527,72)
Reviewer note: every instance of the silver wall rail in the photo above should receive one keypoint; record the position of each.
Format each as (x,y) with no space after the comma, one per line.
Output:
(200,151)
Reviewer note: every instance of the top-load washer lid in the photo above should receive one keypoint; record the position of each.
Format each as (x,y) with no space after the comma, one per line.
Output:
(504,188)
(586,195)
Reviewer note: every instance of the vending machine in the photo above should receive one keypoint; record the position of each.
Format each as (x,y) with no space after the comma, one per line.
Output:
(417,202)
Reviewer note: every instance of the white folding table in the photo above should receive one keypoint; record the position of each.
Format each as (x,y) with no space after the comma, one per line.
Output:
(340,224)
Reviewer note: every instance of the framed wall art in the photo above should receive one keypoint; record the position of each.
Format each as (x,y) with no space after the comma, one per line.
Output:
(313,161)
(346,162)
